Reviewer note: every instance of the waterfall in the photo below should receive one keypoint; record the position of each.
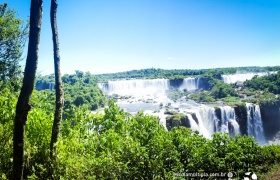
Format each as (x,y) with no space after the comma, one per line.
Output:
(240,77)
(194,125)
(228,121)
(206,119)
(148,94)
(190,84)
(145,86)
(254,123)
(136,86)
(200,126)
(208,122)
(197,83)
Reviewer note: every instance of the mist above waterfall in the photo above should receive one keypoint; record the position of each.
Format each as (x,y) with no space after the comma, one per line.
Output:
(240,77)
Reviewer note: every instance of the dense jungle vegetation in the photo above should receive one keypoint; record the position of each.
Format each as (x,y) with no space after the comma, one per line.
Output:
(113,144)
(116,145)
(269,83)
(80,89)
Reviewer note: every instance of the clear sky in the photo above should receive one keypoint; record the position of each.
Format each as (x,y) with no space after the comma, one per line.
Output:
(103,36)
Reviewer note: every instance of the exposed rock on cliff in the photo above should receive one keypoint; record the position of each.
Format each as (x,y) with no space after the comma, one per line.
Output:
(176,120)
(176,83)
(241,117)
(218,113)
(270,113)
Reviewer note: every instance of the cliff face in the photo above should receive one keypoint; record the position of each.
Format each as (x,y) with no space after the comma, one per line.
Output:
(204,83)
(177,120)
(218,113)
(241,117)
(176,83)
(270,113)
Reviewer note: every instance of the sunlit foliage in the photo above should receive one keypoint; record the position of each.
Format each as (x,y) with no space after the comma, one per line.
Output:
(117,145)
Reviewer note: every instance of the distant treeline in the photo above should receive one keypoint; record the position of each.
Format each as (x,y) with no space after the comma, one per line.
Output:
(153,73)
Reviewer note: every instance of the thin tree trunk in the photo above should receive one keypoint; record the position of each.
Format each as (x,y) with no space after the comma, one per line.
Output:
(58,84)
(23,107)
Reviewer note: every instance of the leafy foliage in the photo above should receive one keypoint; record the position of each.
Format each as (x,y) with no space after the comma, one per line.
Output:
(79,89)
(13,34)
(222,90)
(265,89)
(203,96)
(270,83)
(117,145)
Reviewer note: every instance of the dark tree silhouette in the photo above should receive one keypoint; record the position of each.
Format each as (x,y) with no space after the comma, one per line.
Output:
(58,88)
(22,107)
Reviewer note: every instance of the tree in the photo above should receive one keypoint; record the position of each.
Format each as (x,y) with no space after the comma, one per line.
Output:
(222,90)
(22,107)
(80,74)
(13,34)
(58,88)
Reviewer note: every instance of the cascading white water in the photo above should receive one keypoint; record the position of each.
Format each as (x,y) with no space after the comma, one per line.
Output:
(254,123)
(240,77)
(136,86)
(197,83)
(190,84)
(228,121)
(145,86)
(206,123)
(202,127)
(206,117)
(194,125)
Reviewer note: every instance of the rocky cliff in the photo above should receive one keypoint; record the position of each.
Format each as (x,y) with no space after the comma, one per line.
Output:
(177,119)
(270,113)
(241,117)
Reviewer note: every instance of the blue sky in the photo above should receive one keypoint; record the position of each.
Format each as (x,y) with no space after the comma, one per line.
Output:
(103,36)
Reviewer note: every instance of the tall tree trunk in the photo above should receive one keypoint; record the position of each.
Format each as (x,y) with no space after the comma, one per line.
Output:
(58,84)
(23,107)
